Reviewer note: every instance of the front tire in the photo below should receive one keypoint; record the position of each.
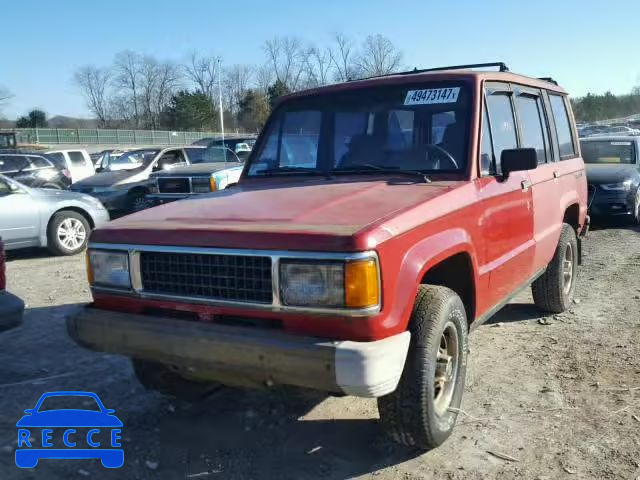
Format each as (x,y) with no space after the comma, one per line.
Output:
(163,379)
(67,233)
(137,201)
(423,410)
(553,291)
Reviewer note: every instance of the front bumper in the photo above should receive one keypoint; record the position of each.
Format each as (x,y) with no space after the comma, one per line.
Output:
(115,200)
(603,203)
(246,356)
(11,310)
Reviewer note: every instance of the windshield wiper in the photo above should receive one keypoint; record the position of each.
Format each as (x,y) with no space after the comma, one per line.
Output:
(270,171)
(370,167)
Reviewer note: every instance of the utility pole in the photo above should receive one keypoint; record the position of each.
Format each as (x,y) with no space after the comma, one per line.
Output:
(221,111)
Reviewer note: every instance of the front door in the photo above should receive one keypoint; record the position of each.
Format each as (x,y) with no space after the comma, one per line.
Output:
(507,218)
(19,216)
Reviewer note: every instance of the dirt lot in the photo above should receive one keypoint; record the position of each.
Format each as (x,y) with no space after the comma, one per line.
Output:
(555,397)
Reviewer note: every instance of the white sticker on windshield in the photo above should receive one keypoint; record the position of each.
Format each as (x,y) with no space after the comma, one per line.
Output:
(431,96)
(621,143)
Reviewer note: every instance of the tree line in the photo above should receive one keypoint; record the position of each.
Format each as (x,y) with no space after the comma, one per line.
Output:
(141,91)
(594,107)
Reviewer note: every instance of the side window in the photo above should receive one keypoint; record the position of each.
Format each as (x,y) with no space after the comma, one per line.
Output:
(77,159)
(487,163)
(12,163)
(532,125)
(503,130)
(563,127)
(58,159)
(39,162)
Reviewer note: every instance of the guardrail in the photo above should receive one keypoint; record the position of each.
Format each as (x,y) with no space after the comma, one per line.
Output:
(107,136)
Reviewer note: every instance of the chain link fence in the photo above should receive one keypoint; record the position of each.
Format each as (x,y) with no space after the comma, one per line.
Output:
(33,136)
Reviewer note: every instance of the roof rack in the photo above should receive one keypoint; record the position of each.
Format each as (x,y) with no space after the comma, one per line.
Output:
(500,65)
(548,79)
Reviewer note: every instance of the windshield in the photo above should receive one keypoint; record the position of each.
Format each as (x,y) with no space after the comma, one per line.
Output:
(211,155)
(66,402)
(608,152)
(420,127)
(135,158)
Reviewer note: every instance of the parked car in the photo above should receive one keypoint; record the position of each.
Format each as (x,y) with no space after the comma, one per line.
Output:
(617,130)
(34,170)
(613,174)
(237,144)
(125,190)
(349,266)
(8,142)
(217,168)
(11,307)
(77,162)
(40,217)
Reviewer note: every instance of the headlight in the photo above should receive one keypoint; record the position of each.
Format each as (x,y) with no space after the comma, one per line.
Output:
(200,185)
(108,268)
(329,284)
(622,186)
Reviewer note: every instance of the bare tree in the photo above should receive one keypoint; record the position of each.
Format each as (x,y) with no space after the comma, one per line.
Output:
(378,56)
(127,67)
(169,80)
(317,66)
(93,83)
(148,83)
(203,73)
(342,58)
(236,83)
(264,78)
(286,56)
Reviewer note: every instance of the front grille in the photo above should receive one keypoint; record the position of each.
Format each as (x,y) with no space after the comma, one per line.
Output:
(217,277)
(173,185)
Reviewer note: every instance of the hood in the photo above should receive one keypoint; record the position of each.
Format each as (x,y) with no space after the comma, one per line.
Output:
(338,214)
(50,194)
(197,169)
(611,172)
(108,179)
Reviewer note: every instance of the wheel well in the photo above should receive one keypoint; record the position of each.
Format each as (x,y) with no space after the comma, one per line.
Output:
(572,216)
(456,273)
(82,212)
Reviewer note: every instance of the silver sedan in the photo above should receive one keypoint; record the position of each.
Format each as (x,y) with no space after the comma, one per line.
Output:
(40,217)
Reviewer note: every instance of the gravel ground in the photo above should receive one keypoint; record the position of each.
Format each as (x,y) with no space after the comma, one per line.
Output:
(547,397)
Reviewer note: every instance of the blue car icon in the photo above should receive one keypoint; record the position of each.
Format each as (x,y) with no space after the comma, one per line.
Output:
(100,418)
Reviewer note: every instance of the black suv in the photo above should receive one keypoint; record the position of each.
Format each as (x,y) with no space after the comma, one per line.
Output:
(34,170)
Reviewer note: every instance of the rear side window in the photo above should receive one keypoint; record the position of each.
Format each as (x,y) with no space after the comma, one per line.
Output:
(12,163)
(532,126)
(503,129)
(57,159)
(563,127)
(39,162)
(196,155)
(77,159)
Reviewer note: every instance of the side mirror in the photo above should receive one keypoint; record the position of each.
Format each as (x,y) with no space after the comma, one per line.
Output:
(99,169)
(518,160)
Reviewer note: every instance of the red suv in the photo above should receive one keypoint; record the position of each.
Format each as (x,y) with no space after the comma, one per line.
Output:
(375,223)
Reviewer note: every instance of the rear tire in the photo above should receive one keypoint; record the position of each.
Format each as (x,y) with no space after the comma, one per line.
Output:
(553,291)
(161,378)
(137,201)
(67,233)
(423,410)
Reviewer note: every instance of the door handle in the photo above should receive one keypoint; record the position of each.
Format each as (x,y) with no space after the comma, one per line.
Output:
(526,185)
(556,174)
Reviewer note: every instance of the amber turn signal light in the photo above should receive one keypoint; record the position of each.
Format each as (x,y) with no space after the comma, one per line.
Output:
(361,289)
(212,184)
(89,270)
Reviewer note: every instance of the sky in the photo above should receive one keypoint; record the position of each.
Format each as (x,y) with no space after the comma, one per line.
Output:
(586,46)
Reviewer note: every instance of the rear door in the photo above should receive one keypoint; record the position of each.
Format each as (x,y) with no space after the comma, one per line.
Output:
(80,165)
(19,217)
(507,217)
(545,187)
